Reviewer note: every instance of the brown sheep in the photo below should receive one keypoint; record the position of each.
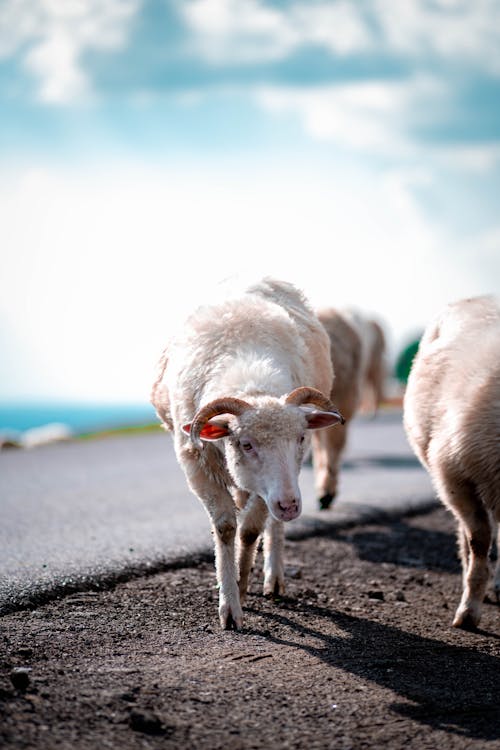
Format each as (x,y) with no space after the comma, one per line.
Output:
(328,445)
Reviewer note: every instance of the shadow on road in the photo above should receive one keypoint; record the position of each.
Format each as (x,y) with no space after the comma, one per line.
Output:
(401,544)
(452,688)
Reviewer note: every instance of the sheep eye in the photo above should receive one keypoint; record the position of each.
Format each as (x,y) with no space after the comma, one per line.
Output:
(247,447)
(301,439)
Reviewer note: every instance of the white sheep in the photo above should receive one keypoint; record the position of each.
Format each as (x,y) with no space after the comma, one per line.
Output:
(233,387)
(328,445)
(452,419)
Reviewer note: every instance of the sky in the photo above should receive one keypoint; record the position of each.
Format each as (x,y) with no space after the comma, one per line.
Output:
(150,148)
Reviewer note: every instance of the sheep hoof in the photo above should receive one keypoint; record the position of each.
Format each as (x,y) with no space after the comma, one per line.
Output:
(466,620)
(273,590)
(325,501)
(229,620)
(230,623)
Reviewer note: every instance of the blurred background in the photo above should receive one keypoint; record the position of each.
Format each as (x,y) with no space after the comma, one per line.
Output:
(150,148)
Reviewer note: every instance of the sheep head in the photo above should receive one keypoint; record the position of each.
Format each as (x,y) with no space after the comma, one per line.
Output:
(264,441)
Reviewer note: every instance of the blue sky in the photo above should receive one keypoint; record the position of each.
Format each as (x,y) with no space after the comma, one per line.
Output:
(149,149)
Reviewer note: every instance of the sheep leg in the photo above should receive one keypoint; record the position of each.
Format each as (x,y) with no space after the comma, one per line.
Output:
(375,383)
(477,572)
(274,570)
(327,447)
(252,522)
(475,537)
(464,552)
(222,512)
(224,529)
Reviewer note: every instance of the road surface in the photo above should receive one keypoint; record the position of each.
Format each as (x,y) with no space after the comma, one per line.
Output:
(81,513)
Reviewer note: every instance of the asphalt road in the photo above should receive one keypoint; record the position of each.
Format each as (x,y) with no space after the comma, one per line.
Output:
(80,514)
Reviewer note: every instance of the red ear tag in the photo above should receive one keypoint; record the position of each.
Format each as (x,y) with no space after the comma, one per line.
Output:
(213,431)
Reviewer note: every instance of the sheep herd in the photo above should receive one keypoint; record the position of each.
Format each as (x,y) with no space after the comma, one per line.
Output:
(250,380)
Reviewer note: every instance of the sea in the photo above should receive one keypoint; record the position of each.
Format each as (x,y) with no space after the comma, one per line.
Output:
(16,418)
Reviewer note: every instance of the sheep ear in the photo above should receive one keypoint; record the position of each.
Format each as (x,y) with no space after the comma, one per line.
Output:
(210,431)
(318,419)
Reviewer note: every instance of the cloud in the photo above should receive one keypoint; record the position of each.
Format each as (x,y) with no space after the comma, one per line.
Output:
(384,118)
(446,31)
(251,31)
(373,116)
(52,37)
(20,20)
(475,158)
(454,31)
(236,30)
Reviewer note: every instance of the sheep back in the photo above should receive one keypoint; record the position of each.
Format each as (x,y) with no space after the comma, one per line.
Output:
(266,340)
(452,401)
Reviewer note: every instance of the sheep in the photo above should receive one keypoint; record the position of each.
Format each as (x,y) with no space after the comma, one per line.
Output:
(373,363)
(452,419)
(237,386)
(328,445)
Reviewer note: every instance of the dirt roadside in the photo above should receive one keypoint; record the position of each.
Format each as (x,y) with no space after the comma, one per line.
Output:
(360,654)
